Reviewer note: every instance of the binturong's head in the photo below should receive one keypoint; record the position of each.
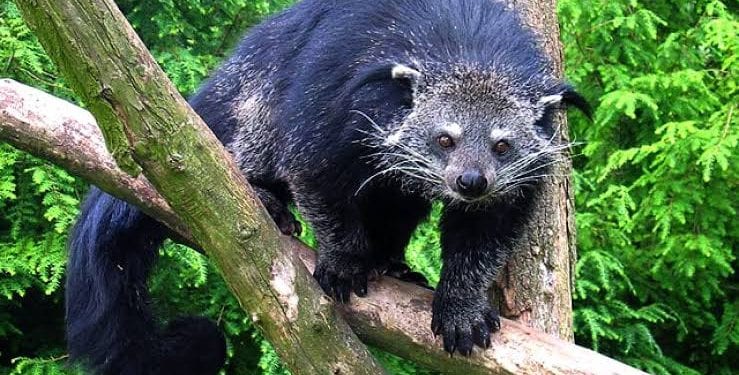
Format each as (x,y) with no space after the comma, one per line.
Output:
(472,135)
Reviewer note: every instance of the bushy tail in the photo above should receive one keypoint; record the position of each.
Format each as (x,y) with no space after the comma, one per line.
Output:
(110,328)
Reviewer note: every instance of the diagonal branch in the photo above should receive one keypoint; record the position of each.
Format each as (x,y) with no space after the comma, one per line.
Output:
(395,316)
(149,128)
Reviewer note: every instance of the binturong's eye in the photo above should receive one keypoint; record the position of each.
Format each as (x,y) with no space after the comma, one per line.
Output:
(445,141)
(501,147)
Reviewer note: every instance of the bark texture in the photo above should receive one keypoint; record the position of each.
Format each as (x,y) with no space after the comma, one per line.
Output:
(395,316)
(56,130)
(535,288)
(149,127)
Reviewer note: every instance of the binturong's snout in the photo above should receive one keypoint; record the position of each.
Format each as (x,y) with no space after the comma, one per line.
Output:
(471,184)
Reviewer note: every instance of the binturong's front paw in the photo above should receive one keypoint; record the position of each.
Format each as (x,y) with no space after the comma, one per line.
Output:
(463,323)
(338,277)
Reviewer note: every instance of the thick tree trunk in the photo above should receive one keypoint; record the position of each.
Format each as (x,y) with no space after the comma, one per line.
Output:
(149,127)
(536,285)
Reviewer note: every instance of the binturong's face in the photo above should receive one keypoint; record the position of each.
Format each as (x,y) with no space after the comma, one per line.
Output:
(472,138)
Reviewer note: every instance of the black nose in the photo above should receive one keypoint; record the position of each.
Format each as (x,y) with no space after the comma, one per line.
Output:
(472,184)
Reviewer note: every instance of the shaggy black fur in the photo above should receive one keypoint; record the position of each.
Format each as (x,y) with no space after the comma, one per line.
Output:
(341,107)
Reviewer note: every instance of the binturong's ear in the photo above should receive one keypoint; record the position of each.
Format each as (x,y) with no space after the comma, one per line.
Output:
(408,77)
(568,96)
(405,73)
(404,76)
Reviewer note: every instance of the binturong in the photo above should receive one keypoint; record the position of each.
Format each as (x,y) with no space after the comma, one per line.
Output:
(361,114)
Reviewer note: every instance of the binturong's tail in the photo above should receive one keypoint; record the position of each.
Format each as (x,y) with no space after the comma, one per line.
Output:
(110,328)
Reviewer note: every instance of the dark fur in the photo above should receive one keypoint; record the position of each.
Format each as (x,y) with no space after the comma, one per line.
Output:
(319,77)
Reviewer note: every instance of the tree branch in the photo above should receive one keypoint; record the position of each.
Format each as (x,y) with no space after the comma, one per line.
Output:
(395,316)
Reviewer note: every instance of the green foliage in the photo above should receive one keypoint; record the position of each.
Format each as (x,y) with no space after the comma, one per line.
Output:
(189,37)
(656,282)
(38,203)
(43,366)
(22,57)
(270,363)
(423,253)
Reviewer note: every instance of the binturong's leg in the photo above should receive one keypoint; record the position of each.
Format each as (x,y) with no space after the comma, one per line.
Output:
(475,244)
(390,219)
(344,258)
(278,209)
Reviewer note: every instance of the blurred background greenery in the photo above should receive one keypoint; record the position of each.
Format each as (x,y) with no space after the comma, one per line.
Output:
(656,179)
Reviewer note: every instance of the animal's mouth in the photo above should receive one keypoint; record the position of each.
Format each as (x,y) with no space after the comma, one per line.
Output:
(484,198)
(455,196)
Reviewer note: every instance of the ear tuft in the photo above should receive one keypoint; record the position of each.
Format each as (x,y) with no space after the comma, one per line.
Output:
(401,71)
(573,98)
(548,100)
(567,95)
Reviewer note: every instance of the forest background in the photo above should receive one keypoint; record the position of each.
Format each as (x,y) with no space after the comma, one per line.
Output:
(656,178)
